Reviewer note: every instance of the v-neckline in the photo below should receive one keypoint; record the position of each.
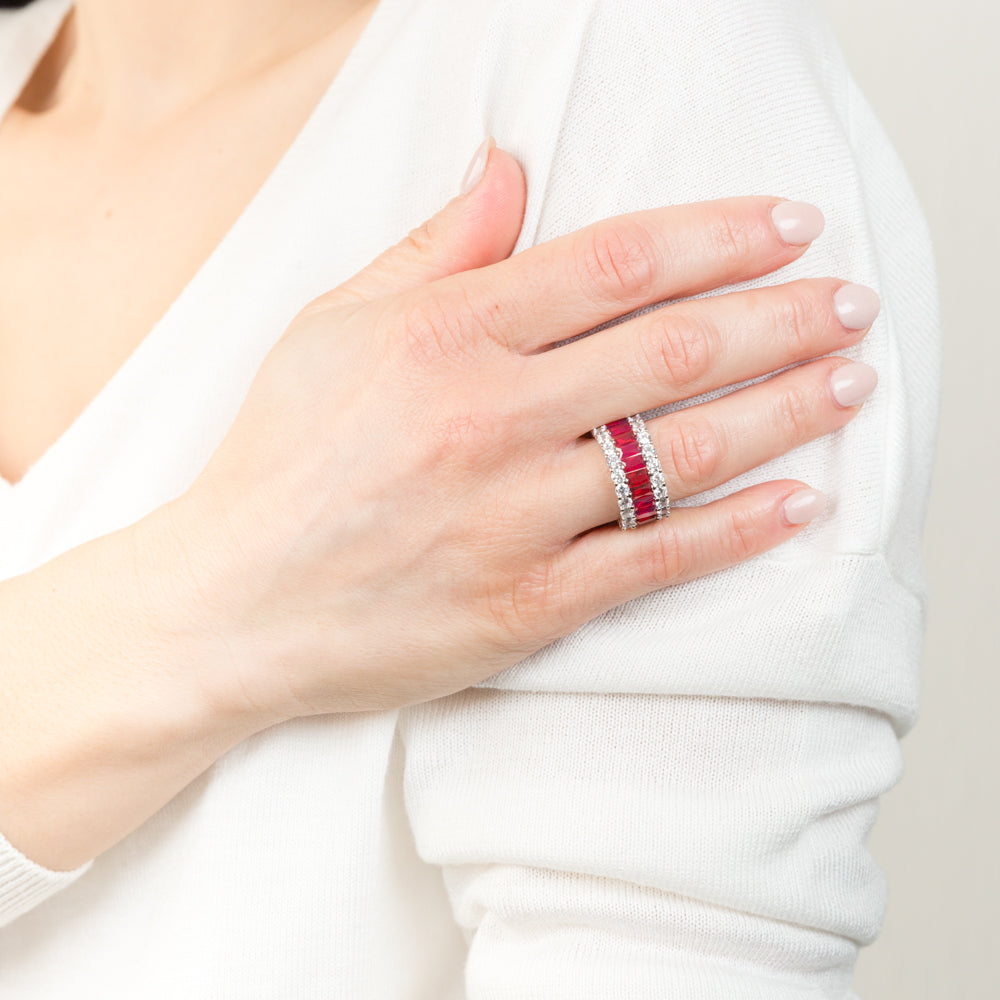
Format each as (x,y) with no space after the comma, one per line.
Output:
(37,25)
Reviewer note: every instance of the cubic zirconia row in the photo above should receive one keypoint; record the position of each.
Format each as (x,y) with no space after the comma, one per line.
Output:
(626,509)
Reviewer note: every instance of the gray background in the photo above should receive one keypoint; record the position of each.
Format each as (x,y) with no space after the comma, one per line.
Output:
(931,72)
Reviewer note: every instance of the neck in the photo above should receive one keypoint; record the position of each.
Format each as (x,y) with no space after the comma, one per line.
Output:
(146,60)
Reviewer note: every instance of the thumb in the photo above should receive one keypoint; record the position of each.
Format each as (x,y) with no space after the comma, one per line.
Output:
(475,228)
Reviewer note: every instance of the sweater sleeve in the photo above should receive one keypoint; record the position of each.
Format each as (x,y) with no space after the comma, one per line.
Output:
(24,883)
(674,800)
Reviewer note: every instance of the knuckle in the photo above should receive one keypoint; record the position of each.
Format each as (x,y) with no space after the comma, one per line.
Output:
(796,412)
(466,433)
(528,608)
(743,536)
(432,330)
(671,556)
(678,347)
(478,427)
(732,237)
(494,313)
(420,240)
(795,316)
(455,322)
(618,261)
(696,451)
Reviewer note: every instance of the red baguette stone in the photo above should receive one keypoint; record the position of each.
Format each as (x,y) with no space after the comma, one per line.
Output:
(645,510)
(637,479)
(636,473)
(634,463)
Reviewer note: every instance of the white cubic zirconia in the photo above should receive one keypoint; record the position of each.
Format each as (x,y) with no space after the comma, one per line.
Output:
(613,456)
(653,467)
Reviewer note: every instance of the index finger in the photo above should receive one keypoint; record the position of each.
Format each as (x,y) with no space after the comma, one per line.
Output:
(566,286)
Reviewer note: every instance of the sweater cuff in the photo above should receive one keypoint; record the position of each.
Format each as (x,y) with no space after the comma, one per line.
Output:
(24,883)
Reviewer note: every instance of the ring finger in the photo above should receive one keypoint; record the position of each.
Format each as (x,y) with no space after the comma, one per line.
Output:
(703,446)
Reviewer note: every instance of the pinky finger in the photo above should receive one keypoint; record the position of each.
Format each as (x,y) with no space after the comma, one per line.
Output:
(606,567)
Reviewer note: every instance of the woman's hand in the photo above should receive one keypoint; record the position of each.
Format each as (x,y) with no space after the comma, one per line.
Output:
(410,499)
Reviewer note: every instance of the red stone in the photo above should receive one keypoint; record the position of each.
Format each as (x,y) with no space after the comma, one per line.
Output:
(633,462)
(645,511)
(636,473)
(637,480)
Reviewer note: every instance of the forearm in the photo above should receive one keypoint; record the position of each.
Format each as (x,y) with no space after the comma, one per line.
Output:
(106,709)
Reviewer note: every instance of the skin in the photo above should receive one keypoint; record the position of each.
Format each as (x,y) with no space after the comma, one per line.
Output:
(284,583)
(172,116)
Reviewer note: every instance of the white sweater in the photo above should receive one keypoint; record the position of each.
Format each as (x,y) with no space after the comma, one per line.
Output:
(671,802)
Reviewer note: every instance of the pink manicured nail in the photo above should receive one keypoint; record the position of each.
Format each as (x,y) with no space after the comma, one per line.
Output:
(477,167)
(856,306)
(803,506)
(797,222)
(854,383)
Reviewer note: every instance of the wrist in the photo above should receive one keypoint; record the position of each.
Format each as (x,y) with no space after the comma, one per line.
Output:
(186,600)
(110,707)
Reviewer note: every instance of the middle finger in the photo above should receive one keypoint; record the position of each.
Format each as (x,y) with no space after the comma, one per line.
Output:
(682,350)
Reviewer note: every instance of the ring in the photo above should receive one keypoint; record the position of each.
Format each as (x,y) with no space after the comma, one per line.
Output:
(635,471)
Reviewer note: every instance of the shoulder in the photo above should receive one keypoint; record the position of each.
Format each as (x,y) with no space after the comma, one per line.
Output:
(686,71)
(743,32)
(678,99)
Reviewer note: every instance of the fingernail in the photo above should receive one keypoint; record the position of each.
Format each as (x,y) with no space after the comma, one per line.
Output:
(797,222)
(852,384)
(856,306)
(475,170)
(803,506)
